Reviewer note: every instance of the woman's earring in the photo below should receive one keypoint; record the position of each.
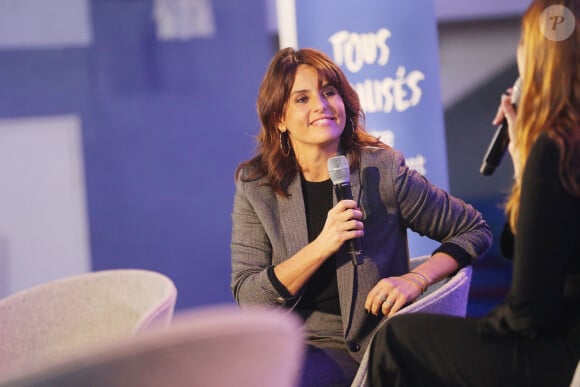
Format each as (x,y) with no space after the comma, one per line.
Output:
(284,143)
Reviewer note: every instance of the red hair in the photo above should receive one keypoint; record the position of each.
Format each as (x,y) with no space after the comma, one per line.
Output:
(550,100)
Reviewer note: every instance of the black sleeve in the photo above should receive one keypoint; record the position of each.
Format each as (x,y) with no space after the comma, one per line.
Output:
(506,241)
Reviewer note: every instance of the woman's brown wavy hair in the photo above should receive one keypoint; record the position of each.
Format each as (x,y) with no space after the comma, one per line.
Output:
(550,98)
(273,95)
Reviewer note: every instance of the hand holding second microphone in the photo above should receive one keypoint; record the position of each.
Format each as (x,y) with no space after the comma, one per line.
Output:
(505,118)
(506,110)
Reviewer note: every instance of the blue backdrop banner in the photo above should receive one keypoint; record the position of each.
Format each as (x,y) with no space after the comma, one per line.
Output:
(389,52)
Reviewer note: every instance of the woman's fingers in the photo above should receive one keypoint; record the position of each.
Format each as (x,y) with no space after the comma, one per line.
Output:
(377,296)
(498,115)
(390,307)
(343,223)
(505,102)
(346,217)
(389,295)
(347,209)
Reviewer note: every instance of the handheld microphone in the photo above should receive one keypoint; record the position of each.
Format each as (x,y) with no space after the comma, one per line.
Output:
(340,175)
(501,139)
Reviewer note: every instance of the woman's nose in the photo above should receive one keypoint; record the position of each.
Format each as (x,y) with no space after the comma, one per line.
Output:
(320,102)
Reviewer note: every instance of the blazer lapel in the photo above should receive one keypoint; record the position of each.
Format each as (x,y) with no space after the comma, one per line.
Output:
(293,216)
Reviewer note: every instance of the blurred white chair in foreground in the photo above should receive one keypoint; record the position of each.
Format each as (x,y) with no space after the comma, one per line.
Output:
(448,296)
(210,346)
(576,378)
(61,317)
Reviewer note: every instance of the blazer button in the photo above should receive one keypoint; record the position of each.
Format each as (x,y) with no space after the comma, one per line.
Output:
(354,347)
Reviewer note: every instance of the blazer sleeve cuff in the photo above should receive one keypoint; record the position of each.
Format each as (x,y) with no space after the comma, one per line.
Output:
(456,252)
(280,288)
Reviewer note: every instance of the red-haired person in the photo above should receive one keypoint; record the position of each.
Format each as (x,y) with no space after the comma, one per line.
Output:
(533,337)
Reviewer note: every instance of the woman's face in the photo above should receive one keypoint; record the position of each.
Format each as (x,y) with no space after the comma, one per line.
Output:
(314,117)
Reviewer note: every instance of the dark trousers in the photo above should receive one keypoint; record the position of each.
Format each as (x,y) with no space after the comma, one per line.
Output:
(434,350)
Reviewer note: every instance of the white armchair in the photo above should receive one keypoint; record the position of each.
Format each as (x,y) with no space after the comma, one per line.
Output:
(217,345)
(49,321)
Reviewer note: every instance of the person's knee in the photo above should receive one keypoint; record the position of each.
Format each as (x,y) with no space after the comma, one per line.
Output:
(389,336)
(399,327)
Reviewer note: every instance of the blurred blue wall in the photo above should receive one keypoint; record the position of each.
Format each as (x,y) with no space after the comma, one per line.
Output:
(164,124)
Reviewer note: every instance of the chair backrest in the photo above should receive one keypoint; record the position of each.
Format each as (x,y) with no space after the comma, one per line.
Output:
(210,346)
(45,322)
(448,296)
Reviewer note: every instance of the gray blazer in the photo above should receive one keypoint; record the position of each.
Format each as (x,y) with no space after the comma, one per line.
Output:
(268,229)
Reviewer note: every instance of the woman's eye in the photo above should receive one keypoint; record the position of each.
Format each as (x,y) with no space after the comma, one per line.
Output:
(330,93)
(301,99)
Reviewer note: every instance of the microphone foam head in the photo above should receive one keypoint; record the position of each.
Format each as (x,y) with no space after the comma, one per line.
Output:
(338,170)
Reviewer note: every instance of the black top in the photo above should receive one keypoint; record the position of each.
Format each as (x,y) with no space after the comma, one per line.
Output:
(544,298)
(321,292)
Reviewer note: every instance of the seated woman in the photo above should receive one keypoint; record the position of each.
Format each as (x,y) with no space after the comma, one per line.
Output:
(291,234)
(533,338)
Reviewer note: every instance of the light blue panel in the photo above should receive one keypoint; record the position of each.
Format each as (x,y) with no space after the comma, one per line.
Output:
(41,24)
